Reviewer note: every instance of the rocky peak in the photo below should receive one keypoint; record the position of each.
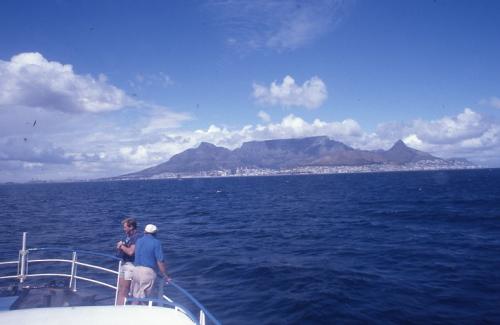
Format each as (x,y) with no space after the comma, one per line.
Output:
(399,145)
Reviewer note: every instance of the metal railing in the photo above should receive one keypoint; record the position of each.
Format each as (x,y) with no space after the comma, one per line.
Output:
(23,273)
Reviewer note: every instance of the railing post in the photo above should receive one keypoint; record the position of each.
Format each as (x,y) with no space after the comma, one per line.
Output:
(72,281)
(202,317)
(22,267)
(118,283)
(160,288)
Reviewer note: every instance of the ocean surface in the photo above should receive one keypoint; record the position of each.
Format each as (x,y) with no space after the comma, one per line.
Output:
(382,248)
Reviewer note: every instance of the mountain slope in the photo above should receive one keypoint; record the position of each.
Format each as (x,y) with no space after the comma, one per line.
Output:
(205,157)
(287,152)
(402,154)
(281,153)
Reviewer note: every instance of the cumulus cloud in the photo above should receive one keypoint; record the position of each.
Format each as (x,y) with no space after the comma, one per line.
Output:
(290,126)
(468,134)
(110,149)
(62,144)
(264,116)
(31,151)
(311,94)
(138,154)
(465,125)
(162,119)
(293,126)
(159,79)
(30,80)
(274,24)
(446,130)
(492,102)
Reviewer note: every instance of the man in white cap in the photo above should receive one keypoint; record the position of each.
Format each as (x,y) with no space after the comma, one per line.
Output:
(148,262)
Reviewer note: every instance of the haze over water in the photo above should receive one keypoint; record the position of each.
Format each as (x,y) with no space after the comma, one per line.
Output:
(415,247)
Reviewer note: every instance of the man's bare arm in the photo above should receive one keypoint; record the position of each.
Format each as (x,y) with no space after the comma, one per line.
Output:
(163,270)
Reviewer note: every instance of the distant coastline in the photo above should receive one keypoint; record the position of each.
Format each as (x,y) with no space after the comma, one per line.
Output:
(312,170)
(298,156)
(274,173)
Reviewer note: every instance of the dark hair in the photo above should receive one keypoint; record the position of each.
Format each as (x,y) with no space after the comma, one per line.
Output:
(130,222)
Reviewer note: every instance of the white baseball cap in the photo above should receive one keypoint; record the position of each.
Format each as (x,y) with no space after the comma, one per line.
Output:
(151,229)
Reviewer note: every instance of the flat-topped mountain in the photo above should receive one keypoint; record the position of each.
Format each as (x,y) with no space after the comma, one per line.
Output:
(280,154)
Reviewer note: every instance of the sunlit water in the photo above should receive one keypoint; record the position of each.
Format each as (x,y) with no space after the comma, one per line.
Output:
(390,247)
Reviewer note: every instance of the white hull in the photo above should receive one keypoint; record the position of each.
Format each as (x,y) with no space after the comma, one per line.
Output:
(95,315)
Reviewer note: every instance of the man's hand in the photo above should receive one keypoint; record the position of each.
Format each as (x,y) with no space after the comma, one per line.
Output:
(119,244)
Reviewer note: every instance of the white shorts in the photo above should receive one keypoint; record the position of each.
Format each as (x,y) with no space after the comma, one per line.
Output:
(127,271)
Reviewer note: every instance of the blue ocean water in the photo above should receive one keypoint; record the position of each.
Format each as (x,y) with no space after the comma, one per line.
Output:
(415,247)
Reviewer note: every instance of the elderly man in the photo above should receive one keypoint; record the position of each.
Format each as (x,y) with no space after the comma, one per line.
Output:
(148,262)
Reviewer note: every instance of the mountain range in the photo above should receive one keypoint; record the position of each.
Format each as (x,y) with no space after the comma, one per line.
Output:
(279,154)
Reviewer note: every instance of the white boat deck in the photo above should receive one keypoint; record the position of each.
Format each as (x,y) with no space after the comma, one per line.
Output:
(95,315)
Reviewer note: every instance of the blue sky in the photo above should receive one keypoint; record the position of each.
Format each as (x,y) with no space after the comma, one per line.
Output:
(117,86)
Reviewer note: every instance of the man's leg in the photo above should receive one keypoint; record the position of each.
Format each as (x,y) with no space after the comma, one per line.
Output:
(124,282)
(123,290)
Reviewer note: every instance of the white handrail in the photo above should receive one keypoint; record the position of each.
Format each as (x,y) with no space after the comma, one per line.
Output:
(35,275)
(96,282)
(95,267)
(50,260)
(9,277)
(71,261)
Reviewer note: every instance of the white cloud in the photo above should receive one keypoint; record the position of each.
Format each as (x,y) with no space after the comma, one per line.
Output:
(64,145)
(87,147)
(30,80)
(162,119)
(136,155)
(465,125)
(274,24)
(413,141)
(492,101)
(264,116)
(159,79)
(31,151)
(311,94)
(469,135)
(291,126)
